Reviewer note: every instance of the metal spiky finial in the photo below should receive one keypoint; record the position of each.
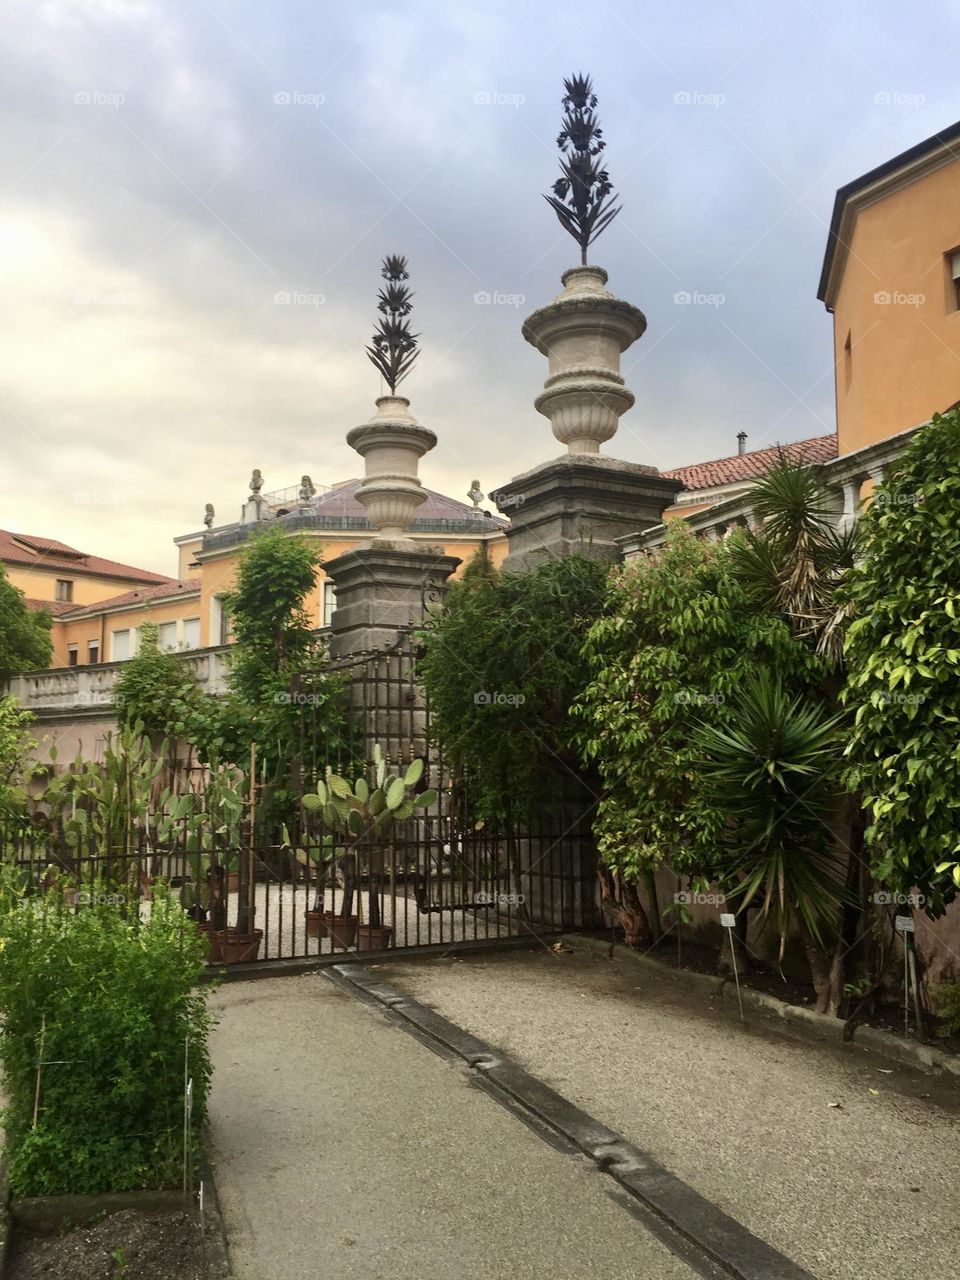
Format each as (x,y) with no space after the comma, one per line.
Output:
(394,348)
(582,199)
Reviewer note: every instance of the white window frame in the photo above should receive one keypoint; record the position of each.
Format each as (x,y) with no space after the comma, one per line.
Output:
(126,632)
(328,602)
(185,639)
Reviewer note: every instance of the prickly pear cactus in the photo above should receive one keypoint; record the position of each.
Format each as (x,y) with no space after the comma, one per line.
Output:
(361,811)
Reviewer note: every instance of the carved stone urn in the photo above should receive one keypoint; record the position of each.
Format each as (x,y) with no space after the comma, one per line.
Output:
(391,445)
(583,333)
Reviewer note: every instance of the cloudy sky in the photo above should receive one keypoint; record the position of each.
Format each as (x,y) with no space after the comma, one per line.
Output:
(197,194)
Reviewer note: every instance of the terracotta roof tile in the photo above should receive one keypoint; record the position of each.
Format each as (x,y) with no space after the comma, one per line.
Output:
(142,595)
(48,553)
(750,466)
(56,607)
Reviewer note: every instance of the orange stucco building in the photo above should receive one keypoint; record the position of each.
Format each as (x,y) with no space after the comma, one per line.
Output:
(891,279)
(99,606)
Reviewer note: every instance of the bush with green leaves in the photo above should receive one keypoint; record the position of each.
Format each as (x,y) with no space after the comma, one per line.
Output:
(677,637)
(102,1014)
(16,768)
(947,998)
(25,643)
(274,643)
(157,691)
(501,668)
(903,659)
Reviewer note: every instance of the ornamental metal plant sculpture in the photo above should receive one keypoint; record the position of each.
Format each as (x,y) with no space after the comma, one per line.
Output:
(394,347)
(583,198)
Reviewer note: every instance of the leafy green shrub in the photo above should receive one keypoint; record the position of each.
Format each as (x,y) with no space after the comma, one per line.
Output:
(676,638)
(947,997)
(107,1005)
(157,692)
(25,643)
(774,771)
(501,668)
(903,659)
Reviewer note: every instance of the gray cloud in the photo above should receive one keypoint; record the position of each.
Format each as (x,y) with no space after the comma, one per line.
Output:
(148,228)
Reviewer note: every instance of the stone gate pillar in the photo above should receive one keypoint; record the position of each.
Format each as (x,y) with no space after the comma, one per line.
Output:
(385,586)
(582,501)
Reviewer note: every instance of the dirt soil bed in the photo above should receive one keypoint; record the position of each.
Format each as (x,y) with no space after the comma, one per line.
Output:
(130,1245)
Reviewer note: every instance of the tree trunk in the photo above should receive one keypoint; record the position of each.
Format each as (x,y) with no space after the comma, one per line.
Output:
(827,974)
(621,901)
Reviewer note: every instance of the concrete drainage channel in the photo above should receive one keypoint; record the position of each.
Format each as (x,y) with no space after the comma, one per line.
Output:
(708,1240)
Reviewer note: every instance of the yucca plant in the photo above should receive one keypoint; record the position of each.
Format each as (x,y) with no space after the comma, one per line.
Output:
(795,561)
(773,769)
(582,199)
(365,814)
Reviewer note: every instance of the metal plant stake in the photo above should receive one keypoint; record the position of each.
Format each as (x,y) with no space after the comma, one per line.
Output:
(394,347)
(583,198)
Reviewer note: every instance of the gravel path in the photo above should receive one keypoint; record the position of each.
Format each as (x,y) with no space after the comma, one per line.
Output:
(343,1147)
(867,1190)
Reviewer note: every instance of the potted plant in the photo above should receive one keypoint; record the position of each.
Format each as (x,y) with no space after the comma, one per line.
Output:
(364,815)
(315,859)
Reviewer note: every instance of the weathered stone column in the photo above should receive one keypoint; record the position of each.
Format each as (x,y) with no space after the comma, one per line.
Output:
(582,501)
(382,585)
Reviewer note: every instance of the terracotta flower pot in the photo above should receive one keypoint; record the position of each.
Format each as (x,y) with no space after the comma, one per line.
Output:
(235,947)
(341,930)
(231,882)
(316,924)
(212,940)
(373,937)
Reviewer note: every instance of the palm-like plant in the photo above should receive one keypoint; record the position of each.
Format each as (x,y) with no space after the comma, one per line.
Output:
(582,199)
(795,561)
(393,347)
(774,770)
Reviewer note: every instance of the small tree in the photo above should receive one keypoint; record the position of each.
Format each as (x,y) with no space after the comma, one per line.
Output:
(17,744)
(903,657)
(156,690)
(796,560)
(273,644)
(25,643)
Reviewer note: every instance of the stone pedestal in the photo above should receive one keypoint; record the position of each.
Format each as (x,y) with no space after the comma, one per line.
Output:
(383,588)
(382,591)
(578,504)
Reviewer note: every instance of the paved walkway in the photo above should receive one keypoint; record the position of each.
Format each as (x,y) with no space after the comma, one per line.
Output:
(343,1147)
(846,1163)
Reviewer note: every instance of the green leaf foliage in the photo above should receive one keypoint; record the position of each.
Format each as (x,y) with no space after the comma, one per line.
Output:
(501,668)
(773,769)
(25,643)
(676,638)
(114,1001)
(903,658)
(157,690)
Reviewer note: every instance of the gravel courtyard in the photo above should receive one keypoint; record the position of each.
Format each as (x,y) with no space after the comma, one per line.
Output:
(846,1162)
